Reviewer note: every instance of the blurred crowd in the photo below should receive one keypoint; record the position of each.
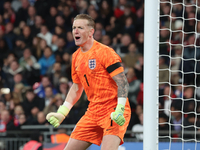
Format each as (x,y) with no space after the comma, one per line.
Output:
(179,80)
(36,45)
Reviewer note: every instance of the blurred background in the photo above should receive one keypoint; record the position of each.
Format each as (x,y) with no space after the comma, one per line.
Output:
(36,45)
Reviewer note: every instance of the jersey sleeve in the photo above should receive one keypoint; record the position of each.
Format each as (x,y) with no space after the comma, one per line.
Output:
(112,62)
(75,77)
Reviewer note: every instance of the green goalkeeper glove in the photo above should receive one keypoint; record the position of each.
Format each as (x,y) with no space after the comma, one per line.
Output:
(56,118)
(117,116)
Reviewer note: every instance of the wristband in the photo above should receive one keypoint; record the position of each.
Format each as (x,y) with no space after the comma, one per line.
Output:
(63,110)
(68,105)
(121,100)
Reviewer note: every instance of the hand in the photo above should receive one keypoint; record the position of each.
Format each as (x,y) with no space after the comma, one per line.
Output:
(56,118)
(117,116)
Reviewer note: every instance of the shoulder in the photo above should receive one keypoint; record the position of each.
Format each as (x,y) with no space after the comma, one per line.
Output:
(102,48)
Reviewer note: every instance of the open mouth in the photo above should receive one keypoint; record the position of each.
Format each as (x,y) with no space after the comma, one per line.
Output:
(77,38)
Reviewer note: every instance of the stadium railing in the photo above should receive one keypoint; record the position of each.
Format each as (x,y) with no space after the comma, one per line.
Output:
(14,140)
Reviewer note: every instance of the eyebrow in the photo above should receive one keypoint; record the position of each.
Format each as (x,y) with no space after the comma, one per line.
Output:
(77,26)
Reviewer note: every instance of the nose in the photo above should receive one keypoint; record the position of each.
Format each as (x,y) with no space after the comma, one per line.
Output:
(76,30)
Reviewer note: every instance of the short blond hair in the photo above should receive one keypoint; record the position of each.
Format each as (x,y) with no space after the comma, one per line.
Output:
(90,20)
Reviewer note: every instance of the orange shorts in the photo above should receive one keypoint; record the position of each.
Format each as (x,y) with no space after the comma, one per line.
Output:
(92,126)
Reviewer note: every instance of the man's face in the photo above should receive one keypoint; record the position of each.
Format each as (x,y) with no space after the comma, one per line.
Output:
(80,31)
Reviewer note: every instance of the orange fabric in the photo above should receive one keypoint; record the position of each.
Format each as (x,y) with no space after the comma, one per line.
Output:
(116,71)
(89,69)
(92,126)
(59,138)
(32,145)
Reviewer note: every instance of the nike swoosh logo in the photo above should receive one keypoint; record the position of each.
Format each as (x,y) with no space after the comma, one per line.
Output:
(108,129)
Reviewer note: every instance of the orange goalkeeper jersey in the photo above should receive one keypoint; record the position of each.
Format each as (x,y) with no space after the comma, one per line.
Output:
(94,69)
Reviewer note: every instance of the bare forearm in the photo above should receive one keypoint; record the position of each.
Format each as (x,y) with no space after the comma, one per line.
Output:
(74,93)
(122,84)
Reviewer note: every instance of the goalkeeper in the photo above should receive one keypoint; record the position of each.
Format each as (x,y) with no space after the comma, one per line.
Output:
(96,69)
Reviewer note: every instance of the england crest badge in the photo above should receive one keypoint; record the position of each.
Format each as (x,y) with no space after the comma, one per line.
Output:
(92,63)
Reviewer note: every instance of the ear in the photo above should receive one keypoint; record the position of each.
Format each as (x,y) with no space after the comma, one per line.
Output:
(91,32)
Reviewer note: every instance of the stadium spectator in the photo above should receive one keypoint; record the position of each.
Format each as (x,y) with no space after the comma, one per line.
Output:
(140,43)
(6,123)
(163,72)
(22,13)
(27,54)
(11,72)
(191,124)
(140,95)
(60,136)
(48,95)
(19,91)
(59,31)
(98,35)
(166,100)
(122,48)
(70,46)
(106,12)
(38,47)
(171,22)
(19,48)
(3,49)
(32,104)
(68,16)
(41,120)
(164,36)
(128,13)
(134,87)
(82,7)
(5,97)
(64,86)
(129,28)
(2,107)
(61,23)
(35,142)
(113,28)
(119,10)
(47,60)
(10,36)
(190,53)
(27,36)
(188,97)
(31,16)
(177,116)
(163,124)
(45,34)
(18,29)
(139,128)
(139,67)
(66,65)
(54,104)
(135,113)
(55,72)
(39,88)
(51,18)
(35,29)
(106,40)
(131,58)
(61,45)
(18,110)
(175,64)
